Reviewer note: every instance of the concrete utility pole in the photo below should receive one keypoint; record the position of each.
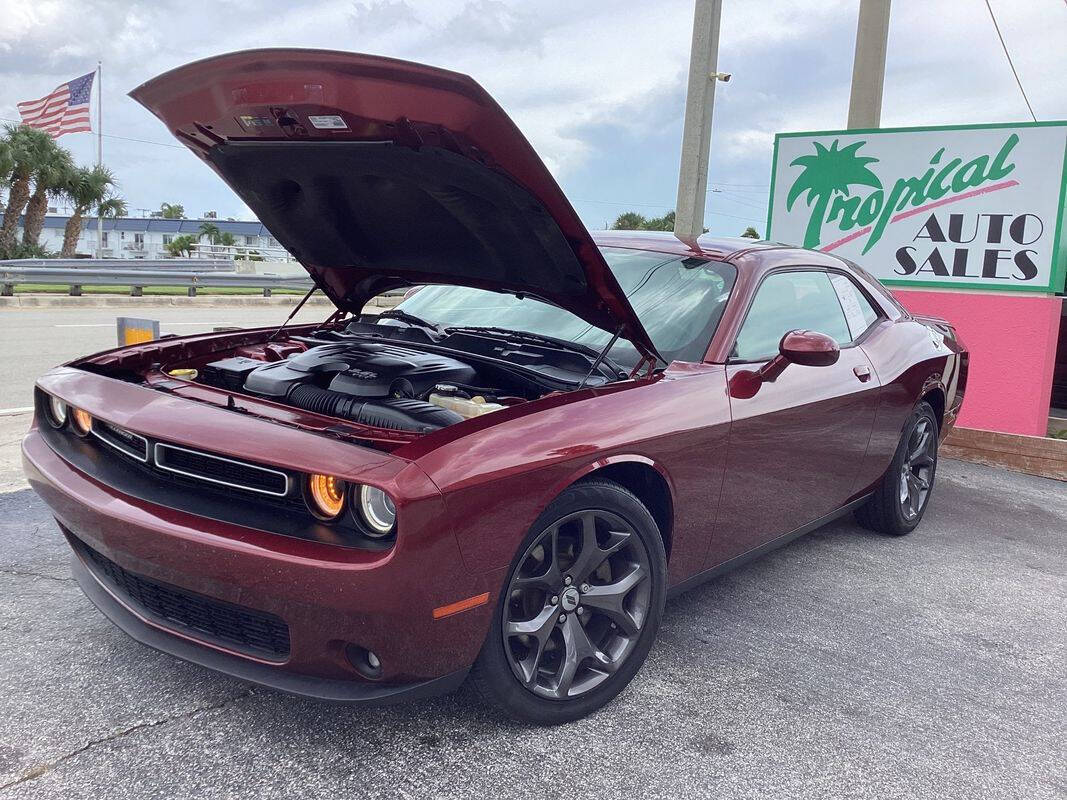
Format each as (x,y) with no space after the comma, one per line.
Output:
(696,135)
(868,68)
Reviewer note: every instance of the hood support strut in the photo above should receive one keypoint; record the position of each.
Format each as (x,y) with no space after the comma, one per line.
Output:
(600,358)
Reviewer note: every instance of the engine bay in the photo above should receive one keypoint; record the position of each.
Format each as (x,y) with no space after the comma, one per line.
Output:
(374,383)
(393,377)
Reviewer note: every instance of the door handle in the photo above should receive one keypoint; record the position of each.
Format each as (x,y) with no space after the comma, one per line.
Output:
(862,372)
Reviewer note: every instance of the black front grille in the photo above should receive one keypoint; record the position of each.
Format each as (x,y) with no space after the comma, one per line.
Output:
(121,439)
(236,627)
(221,470)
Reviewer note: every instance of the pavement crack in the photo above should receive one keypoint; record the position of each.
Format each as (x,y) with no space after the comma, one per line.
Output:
(30,574)
(41,770)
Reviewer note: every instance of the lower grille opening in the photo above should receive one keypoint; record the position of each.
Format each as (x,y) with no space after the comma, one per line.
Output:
(235,627)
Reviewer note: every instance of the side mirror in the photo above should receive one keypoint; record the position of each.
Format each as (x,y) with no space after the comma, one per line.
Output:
(806,348)
(809,349)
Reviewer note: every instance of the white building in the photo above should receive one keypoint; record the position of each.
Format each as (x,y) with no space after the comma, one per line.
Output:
(139,237)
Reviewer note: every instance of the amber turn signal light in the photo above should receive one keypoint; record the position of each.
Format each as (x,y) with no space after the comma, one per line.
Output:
(326,496)
(81,420)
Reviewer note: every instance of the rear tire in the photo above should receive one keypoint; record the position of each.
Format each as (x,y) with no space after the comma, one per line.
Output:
(580,609)
(899,501)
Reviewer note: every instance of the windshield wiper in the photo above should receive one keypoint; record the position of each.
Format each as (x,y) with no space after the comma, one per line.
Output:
(410,319)
(598,357)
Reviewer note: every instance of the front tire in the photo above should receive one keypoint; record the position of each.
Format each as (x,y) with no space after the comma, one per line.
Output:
(898,503)
(580,609)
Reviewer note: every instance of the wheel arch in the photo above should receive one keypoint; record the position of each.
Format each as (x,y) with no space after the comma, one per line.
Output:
(642,476)
(934,394)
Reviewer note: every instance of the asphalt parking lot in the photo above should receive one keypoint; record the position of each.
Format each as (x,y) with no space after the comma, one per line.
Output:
(845,665)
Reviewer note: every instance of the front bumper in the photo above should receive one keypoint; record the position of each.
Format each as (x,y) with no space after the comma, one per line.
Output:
(343,691)
(329,597)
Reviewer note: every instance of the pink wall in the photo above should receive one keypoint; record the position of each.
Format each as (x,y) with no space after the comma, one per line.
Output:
(1012,342)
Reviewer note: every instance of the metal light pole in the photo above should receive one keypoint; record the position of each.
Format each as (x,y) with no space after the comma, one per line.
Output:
(868,68)
(696,135)
(99,153)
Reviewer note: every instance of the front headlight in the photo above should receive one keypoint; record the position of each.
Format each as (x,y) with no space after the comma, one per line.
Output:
(57,412)
(326,496)
(80,421)
(377,510)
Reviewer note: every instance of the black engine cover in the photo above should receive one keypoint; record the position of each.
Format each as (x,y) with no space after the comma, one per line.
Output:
(360,369)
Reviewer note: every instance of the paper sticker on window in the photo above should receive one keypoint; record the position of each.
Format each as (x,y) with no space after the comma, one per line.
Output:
(327,122)
(850,304)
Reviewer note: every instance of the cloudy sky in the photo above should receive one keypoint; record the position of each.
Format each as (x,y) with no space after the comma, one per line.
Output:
(598,87)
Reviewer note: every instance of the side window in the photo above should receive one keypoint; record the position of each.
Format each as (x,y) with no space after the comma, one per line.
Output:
(859,313)
(788,301)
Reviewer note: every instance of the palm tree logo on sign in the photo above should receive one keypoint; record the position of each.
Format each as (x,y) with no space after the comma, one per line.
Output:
(829,171)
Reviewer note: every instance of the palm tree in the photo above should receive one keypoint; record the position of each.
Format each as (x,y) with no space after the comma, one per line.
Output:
(664,223)
(825,172)
(181,245)
(88,187)
(226,239)
(7,162)
(51,174)
(172,211)
(210,231)
(29,148)
(630,221)
(112,208)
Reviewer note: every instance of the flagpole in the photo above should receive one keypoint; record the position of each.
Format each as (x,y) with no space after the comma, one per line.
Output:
(99,155)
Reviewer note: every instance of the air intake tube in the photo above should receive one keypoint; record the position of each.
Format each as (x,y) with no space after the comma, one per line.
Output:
(401,414)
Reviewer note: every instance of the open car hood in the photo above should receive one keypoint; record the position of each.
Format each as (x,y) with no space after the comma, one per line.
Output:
(377,174)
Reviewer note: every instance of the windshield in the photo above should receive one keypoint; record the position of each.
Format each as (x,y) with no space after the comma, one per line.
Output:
(679,301)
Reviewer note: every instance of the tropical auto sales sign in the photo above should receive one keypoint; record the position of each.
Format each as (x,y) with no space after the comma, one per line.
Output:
(975,207)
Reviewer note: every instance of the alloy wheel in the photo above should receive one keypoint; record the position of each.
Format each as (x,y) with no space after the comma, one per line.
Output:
(576,604)
(917,471)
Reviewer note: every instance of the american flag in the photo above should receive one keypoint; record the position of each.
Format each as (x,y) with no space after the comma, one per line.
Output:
(65,110)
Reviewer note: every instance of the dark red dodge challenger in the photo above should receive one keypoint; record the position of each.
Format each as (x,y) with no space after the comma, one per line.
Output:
(505,475)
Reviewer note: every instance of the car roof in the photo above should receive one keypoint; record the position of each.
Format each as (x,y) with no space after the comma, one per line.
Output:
(753,258)
(717,247)
(744,253)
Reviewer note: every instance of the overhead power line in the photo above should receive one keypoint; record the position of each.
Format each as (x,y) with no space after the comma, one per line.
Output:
(1007,55)
(144,141)
(741,200)
(112,136)
(747,185)
(617,203)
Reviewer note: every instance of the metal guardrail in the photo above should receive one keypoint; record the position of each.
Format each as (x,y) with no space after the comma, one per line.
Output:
(201,250)
(137,279)
(198,264)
